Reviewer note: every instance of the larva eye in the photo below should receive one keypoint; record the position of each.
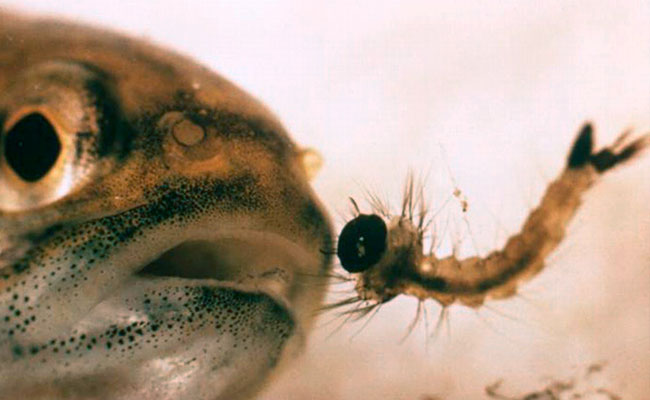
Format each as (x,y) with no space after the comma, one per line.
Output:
(362,242)
(56,127)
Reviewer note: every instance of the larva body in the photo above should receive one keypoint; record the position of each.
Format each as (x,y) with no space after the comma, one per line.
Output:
(393,263)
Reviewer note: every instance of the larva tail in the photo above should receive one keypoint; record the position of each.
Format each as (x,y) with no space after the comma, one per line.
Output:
(619,152)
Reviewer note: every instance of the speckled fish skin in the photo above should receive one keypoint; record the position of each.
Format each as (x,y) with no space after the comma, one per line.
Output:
(173,155)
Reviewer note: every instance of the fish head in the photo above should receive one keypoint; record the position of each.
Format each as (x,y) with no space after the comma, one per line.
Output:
(158,233)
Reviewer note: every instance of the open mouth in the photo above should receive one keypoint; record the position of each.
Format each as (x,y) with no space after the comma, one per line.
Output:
(226,259)
(210,314)
(251,261)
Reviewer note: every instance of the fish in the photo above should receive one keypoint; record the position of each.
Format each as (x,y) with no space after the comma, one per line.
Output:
(158,230)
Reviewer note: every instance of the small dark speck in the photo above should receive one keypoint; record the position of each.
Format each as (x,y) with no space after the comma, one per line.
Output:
(17,350)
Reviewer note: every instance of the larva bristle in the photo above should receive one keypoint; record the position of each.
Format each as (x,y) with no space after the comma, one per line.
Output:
(355,205)
(378,205)
(338,304)
(407,198)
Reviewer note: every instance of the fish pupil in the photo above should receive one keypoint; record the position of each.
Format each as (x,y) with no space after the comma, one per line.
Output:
(362,242)
(31,147)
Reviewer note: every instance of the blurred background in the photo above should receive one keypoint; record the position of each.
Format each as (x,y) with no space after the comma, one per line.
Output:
(483,96)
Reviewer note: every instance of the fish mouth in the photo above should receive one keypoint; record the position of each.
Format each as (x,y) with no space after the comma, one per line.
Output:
(261,264)
(252,260)
(210,316)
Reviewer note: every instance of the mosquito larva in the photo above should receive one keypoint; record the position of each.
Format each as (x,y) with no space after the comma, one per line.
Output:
(384,252)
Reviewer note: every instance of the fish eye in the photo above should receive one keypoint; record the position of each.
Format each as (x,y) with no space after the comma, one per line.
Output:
(362,242)
(57,127)
(31,147)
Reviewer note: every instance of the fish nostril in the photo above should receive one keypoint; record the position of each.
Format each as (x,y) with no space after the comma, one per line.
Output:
(187,133)
(184,131)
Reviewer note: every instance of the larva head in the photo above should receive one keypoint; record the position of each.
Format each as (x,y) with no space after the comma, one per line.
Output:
(362,242)
(379,253)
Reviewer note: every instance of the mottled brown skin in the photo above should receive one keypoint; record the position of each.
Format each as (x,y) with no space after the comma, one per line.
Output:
(161,153)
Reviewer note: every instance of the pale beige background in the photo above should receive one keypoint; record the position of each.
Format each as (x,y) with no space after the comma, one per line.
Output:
(502,86)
